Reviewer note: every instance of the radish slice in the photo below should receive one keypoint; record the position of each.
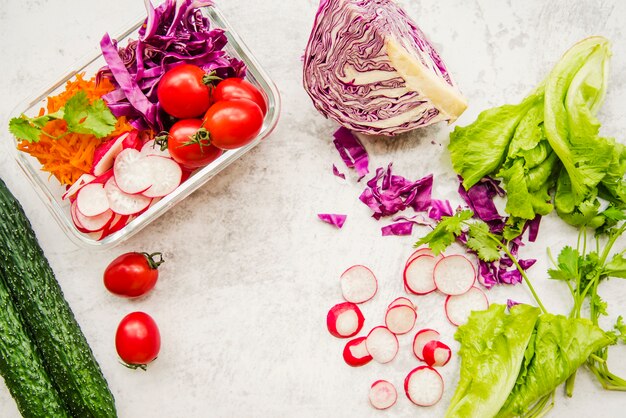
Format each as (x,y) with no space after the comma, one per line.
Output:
(358,284)
(383,394)
(78,184)
(91,200)
(436,353)
(458,308)
(95,223)
(95,235)
(344,320)
(402,301)
(104,155)
(167,175)
(454,275)
(73,212)
(132,172)
(355,353)
(124,203)
(150,148)
(418,275)
(423,386)
(400,319)
(382,344)
(418,252)
(423,337)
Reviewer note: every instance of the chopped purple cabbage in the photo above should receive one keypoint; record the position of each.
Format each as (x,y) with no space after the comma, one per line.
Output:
(510,303)
(440,208)
(338,173)
(398,228)
(352,151)
(333,219)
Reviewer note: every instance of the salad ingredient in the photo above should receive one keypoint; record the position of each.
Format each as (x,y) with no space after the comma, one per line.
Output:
(335,219)
(104,155)
(423,337)
(352,151)
(92,223)
(182,92)
(78,184)
(337,173)
(402,301)
(344,320)
(233,123)
(190,145)
(400,319)
(137,339)
(382,394)
(417,253)
(91,200)
(47,316)
(382,344)
(423,386)
(132,274)
(436,353)
(459,307)
(132,172)
(238,88)
(398,229)
(355,352)
(151,148)
(370,68)
(123,203)
(418,275)
(358,284)
(454,275)
(167,176)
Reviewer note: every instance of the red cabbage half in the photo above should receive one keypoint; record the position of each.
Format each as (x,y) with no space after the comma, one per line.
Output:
(369,67)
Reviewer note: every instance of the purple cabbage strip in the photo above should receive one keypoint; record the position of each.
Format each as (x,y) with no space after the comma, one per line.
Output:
(533,228)
(398,228)
(510,303)
(479,198)
(439,209)
(337,173)
(351,151)
(333,219)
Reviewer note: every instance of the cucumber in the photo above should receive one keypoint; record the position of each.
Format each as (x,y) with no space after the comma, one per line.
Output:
(47,316)
(22,367)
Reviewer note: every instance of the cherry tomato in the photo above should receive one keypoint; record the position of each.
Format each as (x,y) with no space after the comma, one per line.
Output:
(182,93)
(238,88)
(132,274)
(189,144)
(137,339)
(233,123)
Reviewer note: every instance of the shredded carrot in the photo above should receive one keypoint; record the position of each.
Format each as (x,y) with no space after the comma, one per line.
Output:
(71,154)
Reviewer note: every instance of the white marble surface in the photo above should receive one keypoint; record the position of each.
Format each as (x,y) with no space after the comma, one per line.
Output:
(250,272)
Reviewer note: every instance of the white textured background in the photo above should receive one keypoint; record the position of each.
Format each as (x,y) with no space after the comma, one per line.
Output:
(250,272)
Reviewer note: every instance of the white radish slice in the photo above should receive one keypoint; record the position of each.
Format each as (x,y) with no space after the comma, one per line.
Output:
(104,158)
(436,354)
(358,284)
(418,252)
(400,319)
(402,301)
(166,176)
(382,344)
(454,275)
(91,200)
(78,184)
(150,148)
(458,308)
(423,337)
(383,394)
(73,212)
(95,235)
(418,275)
(124,203)
(355,353)
(132,171)
(95,223)
(423,386)
(344,320)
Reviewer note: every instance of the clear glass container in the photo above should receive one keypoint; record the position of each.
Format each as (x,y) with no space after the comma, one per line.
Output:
(50,190)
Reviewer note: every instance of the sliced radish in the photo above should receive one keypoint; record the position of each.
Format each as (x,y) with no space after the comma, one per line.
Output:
(118,222)
(400,319)
(458,308)
(132,171)
(402,301)
(167,176)
(91,200)
(382,344)
(150,148)
(344,320)
(454,275)
(418,252)
(383,394)
(423,337)
(133,140)
(95,223)
(105,153)
(78,184)
(124,203)
(73,212)
(358,284)
(418,275)
(436,353)
(95,235)
(423,386)
(355,353)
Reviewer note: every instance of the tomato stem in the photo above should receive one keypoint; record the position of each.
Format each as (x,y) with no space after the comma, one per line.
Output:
(202,137)
(161,140)
(211,79)
(143,367)
(154,264)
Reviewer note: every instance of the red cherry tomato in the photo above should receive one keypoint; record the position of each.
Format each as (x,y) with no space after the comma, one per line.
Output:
(233,123)
(182,93)
(189,144)
(238,88)
(132,274)
(137,339)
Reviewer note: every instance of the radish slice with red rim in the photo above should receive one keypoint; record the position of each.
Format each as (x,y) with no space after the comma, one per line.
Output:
(383,394)
(400,319)
(402,301)
(105,153)
(436,353)
(358,284)
(454,275)
(423,386)
(167,176)
(423,337)
(78,184)
(355,353)
(91,200)
(124,203)
(95,223)
(418,275)
(344,320)
(418,252)
(132,171)
(382,344)
(458,308)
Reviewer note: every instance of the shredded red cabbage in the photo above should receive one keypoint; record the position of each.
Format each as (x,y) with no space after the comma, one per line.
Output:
(338,173)
(352,152)
(333,219)
(398,228)
(439,208)
(510,303)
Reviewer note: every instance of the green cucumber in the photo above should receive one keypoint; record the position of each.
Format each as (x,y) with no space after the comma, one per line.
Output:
(47,316)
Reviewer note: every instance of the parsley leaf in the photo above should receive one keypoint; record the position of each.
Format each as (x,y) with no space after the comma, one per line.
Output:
(616,267)
(567,268)
(22,129)
(479,239)
(620,327)
(446,231)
